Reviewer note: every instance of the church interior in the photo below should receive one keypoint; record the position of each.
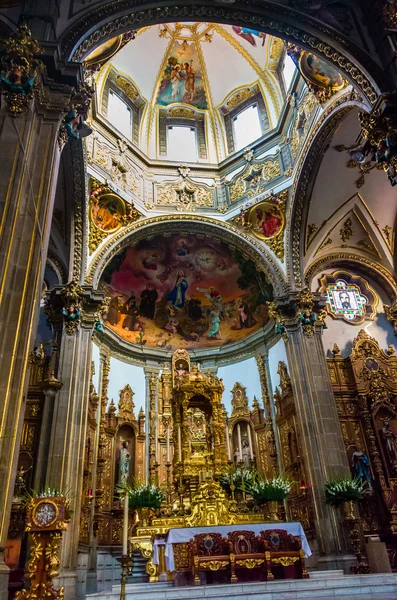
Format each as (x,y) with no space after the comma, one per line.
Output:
(198,299)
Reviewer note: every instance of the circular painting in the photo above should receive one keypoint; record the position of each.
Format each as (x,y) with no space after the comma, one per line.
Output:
(107,212)
(266,220)
(320,72)
(184,292)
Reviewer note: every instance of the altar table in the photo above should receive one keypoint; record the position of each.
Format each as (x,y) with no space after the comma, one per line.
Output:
(185,534)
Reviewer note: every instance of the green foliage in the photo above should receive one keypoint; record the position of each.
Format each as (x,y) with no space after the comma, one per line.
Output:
(144,496)
(270,490)
(343,490)
(241,477)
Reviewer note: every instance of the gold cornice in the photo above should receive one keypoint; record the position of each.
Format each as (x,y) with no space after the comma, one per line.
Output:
(253,247)
(263,75)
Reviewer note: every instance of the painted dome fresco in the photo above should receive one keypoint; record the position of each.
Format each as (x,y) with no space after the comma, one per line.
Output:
(184,292)
(199,71)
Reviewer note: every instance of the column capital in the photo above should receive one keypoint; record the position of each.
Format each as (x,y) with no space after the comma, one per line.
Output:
(298,310)
(78,306)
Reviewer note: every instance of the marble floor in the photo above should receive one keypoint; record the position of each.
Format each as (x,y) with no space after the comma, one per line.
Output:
(334,586)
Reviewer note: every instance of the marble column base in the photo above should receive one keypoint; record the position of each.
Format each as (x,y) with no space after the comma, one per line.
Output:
(333,562)
(68,580)
(4,572)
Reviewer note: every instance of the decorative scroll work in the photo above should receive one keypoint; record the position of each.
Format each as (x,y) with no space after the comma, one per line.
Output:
(184,195)
(254,179)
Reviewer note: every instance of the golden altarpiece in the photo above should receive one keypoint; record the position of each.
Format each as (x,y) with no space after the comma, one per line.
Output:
(190,442)
(365,390)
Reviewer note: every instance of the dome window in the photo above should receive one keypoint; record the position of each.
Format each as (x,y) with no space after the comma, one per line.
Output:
(119,114)
(181,143)
(288,71)
(246,127)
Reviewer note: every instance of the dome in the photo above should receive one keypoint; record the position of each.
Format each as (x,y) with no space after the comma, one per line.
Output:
(194,74)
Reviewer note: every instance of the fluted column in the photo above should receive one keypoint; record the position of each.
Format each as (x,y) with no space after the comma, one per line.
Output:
(270,439)
(324,453)
(29,161)
(69,425)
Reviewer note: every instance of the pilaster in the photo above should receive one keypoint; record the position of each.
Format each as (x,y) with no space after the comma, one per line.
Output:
(69,425)
(301,317)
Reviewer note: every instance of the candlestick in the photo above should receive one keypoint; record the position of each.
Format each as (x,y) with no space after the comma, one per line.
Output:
(168,443)
(125,525)
(240,447)
(229,455)
(179,444)
(250,441)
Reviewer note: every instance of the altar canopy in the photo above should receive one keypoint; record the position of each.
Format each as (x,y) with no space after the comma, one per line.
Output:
(185,534)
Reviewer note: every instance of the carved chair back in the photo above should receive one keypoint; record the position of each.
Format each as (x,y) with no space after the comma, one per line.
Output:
(209,544)
(245,542)
(279,540)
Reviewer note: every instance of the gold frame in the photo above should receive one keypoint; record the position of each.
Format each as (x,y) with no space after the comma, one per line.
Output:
(100,198)
(275,209)
(303,68)
(56,517)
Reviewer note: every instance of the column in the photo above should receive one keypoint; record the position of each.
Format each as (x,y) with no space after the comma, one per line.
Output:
(271,462)
(29,159)
(151,375)
(69,425)
(324,453)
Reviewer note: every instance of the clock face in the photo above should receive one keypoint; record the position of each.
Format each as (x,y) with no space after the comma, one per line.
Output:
(206,259)
(45,514)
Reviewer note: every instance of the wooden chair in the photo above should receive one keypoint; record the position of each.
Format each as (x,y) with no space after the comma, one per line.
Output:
(208,552)
(247,551)
(284,549)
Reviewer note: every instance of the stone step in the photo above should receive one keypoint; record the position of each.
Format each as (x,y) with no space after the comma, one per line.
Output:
(350,587)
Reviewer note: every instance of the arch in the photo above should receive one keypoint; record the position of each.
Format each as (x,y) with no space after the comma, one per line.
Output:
(169,224)
(104,22)
(360,264)
(307,168)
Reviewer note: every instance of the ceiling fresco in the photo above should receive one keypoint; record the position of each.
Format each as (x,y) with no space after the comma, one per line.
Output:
(184,292)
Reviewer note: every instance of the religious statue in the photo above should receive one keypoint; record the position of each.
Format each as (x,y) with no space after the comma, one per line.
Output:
(361,468)
(180,370)
(124,464)
(391,443)
(246,453)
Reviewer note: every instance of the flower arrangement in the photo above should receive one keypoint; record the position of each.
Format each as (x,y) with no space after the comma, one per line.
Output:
(145,496)
(270,490)
(240,477)
(343,490)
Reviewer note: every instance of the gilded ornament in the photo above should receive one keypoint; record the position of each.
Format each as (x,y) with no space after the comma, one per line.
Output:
(347,230)
(285,561)
(19,69)
(127,87)
(306,314)
(184,195)
(238,97)
(182,112)
(391,314)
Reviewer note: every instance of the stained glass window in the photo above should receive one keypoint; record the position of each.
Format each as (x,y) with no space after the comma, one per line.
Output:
(345,300)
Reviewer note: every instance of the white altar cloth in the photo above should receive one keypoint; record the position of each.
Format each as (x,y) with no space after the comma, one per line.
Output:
(185,534)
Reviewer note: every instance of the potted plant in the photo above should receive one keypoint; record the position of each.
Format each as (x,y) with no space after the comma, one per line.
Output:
(344,491)
(145,498)
(270,495)
(240,477)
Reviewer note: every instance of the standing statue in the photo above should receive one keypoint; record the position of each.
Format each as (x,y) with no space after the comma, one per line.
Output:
(391,443)
(124,464)
(360,465)
(246,453)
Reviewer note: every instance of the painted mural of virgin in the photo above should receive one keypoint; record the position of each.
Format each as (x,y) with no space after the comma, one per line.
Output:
(184,292)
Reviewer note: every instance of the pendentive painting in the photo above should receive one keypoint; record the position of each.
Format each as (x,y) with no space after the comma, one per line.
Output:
(182,79)
(184,292)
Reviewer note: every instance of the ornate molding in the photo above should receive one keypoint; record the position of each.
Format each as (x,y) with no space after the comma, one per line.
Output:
(310,154)
(76,44)
(189,223)
(254,179)
(376,271)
